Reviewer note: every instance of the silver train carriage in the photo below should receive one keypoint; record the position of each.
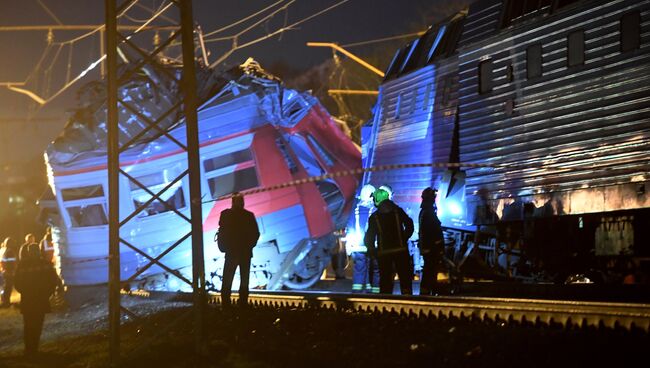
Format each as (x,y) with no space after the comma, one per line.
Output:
(552,100)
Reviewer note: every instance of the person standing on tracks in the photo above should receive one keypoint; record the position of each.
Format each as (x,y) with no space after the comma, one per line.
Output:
(431,242)
(238,235)
(391,228)
(365,271)
(36,280)
(8,263)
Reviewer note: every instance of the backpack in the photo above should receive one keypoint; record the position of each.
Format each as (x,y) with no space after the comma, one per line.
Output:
(221,241)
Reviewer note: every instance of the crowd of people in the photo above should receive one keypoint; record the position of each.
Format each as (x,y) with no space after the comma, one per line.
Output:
(29,270)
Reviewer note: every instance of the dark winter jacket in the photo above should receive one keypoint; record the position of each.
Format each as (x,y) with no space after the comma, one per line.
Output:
(36,281)
(430,231)
(391,227)
(238,232)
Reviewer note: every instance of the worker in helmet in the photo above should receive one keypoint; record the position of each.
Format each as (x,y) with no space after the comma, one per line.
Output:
(391,228)
(365,272)
(431,242)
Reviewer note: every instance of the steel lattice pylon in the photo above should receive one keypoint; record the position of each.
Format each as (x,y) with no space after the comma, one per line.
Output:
(115,78)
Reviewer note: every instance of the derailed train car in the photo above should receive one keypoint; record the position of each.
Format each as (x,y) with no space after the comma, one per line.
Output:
(253,133)
(551,101)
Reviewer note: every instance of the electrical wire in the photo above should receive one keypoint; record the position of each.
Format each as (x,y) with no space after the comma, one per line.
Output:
(236,36)
(48,11)
(283,29)
(243,19)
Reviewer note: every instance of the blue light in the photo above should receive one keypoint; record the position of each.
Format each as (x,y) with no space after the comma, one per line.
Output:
(454,208)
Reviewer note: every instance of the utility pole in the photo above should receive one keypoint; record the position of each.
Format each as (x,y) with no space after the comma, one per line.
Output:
(113,187)
(118,144)
(192,127)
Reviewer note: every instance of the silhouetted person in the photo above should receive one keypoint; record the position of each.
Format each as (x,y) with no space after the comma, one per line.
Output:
(431,242)
(36,281)
(8,263)
(391,227)
(29,240)
(238,234)
(47,246)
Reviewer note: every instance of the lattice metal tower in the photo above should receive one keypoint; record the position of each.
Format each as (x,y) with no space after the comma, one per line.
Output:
(128,48)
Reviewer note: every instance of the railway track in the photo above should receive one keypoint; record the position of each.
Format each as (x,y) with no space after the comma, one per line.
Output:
(525,311)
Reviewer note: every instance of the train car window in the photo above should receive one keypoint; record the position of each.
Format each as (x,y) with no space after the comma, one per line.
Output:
(85,205)
(172,198)
(419,56)
(485,76)
(91,191)
(236,181)
(232,172)
(630,29)
(87,215)
(576,48)
(434,46)
(393,69)
(411,48)
(449,40)
(515,10)
(534,61)
(230,159)
(322,152)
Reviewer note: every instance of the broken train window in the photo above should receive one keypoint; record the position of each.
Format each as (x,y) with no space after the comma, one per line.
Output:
(173,197)
(85,206)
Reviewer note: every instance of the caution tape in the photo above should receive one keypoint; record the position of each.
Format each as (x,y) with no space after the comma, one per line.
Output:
(363,170)
(358,171)
(86,260)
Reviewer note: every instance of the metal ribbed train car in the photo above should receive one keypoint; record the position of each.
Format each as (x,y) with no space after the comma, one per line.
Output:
(554,98)
(253,133)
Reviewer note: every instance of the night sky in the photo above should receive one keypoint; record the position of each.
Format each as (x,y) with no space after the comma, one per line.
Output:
(25,130)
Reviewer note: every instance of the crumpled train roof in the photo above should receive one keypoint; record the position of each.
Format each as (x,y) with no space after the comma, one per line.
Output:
(150,92)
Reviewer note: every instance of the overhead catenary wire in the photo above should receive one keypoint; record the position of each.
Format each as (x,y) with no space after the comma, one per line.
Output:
(279,31)
(243,19)
(234,38)
(48,11)
(42,101)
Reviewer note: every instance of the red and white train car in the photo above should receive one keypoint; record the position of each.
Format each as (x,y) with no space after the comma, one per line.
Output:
(254,133)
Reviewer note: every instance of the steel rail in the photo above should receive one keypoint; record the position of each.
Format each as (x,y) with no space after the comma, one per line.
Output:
(534,311)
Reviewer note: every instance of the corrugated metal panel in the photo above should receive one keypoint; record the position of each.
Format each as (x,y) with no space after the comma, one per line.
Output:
(482,21)
(593,118)
(415,125)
